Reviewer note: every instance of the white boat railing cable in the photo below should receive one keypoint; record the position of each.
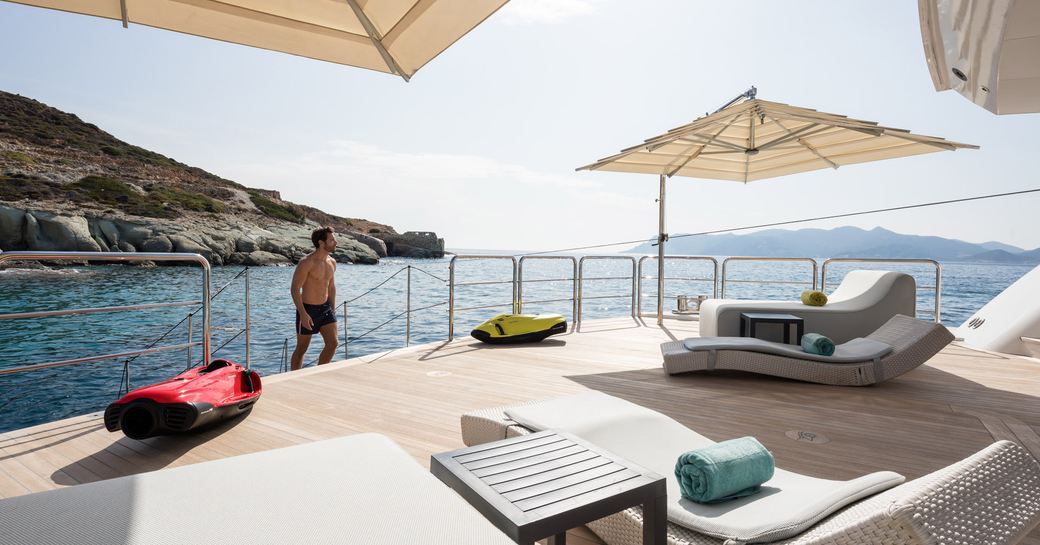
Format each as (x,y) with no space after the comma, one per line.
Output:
(653,240)
(116,257)
(936,287)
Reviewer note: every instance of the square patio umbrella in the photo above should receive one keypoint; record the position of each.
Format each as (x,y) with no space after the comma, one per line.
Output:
(750,139)
(392,36)
(986,51)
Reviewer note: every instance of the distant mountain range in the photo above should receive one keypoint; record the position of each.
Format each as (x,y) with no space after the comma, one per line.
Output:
(845,242)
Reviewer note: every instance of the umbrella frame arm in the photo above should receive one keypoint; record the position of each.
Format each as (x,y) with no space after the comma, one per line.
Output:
(377,40)
(750,94)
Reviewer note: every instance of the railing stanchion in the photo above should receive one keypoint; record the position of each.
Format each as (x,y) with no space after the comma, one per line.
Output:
(516,288)
(451,298)
(408,307)
(207,314)
(189,340)
(520,287)
(636,311)
(575,297)
(581,294)
(249,359)
(346,340)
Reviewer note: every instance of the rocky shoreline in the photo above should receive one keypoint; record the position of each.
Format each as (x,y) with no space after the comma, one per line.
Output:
(67,185)
(277,243)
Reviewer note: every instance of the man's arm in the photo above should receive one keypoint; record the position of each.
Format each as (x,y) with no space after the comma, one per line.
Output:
(299,277)
(332,286)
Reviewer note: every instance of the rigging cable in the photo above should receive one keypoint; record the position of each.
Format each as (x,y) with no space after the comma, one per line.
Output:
(802,220)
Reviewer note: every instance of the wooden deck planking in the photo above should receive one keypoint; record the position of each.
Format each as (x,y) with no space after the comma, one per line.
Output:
(952,407)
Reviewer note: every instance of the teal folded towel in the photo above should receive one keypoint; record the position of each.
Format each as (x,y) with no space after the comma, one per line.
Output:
(724,471)
(814,343)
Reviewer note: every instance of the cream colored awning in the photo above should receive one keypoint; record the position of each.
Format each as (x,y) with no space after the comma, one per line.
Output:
(756,139)
(751,139)
(393,36)
(987,51)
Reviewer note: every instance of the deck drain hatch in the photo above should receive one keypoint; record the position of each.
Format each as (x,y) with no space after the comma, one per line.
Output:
(438,373)
(808,437)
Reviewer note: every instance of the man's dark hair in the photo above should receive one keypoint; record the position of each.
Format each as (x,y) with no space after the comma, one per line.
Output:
(320,234)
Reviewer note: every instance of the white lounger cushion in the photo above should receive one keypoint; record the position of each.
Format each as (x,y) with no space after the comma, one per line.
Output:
(862,303)
(855,351)
(356,489)
(788,504)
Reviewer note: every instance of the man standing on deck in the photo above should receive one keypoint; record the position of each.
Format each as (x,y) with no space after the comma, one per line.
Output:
(314,294)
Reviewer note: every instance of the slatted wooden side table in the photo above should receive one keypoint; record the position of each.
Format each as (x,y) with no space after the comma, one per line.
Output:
(541,485)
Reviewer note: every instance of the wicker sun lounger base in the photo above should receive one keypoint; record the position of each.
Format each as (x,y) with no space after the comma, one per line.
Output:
(913,342)
(991,497)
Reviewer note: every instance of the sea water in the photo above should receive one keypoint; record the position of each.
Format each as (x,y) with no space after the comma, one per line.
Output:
(376,319)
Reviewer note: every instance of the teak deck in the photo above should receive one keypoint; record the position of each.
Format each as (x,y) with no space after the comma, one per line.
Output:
(958,403)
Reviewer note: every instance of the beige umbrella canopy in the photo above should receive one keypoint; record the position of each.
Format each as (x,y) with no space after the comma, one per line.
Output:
(393,36)
(986,51)
(751,139)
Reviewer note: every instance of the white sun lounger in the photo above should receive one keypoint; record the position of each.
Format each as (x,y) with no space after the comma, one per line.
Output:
(900,345)
(862,302)
(992,497)
(359,489)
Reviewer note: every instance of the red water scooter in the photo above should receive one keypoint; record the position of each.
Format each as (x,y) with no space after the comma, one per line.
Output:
(198,397)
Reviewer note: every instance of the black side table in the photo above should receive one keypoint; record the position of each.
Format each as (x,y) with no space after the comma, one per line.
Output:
(748,321)
(541,485)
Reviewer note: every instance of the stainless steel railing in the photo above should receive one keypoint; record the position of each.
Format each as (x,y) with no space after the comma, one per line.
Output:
(573,299)
(452,285)
(726,262)
(578,280)
(582,279)
(714,275)
(116,257)
(936,287)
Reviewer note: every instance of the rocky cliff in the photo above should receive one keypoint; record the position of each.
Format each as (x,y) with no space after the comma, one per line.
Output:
(67,185)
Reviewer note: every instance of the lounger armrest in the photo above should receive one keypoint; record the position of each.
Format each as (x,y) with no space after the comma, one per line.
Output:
(990,497)
(487,425)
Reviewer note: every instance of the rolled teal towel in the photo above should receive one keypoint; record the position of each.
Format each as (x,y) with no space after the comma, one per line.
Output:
(814,298)
(814,343)
(724,471)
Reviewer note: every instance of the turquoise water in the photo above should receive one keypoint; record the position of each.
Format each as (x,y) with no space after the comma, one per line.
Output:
(41,396)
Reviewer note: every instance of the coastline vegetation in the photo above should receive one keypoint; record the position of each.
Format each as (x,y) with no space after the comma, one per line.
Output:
(273,209)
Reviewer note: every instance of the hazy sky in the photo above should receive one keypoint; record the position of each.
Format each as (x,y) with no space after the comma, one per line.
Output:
(482,144)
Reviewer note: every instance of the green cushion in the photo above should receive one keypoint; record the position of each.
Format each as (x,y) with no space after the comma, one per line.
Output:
(814,298)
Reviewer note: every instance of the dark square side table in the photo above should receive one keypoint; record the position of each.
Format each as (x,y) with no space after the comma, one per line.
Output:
(748,321)
(541,485)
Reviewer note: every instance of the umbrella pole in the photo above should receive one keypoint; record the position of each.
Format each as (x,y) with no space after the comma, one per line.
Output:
(661,238)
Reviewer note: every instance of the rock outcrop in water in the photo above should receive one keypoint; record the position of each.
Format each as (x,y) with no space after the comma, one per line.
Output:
(68,185)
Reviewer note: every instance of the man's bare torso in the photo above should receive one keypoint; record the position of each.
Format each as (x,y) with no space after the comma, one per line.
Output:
(316,283)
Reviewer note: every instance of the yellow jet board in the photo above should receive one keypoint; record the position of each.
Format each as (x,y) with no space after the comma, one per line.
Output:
(519,328)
